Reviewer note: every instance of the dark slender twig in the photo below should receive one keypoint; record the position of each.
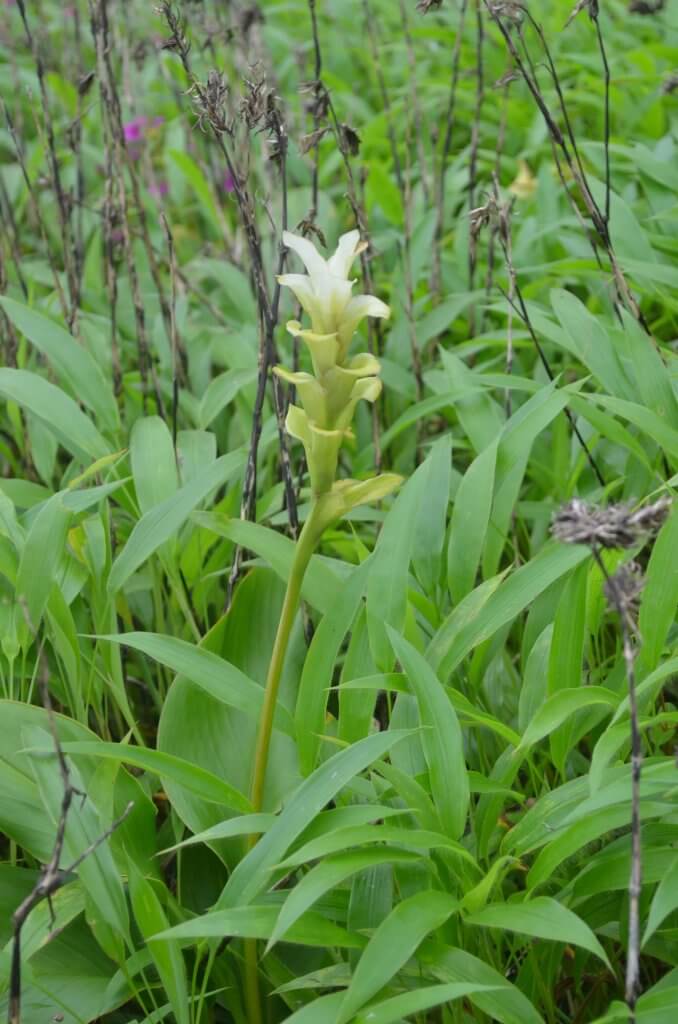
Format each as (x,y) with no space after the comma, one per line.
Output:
(618,526)
(317,109)
(35,207)
(174,337)
(385,98)
(450,122)
(52,876)
(63,205)
(417,113)
(475,142)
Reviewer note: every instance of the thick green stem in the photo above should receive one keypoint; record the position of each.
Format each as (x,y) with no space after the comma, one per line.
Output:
(308,539)
(305,547)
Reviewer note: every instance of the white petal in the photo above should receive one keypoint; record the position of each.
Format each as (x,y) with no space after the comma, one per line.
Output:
(300,285)
(307,252)
(365,305)
(347,249)
(360,306)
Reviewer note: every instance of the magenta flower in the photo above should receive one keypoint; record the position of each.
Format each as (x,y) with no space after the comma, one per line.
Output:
(228,183)
(159,189)
(137,128)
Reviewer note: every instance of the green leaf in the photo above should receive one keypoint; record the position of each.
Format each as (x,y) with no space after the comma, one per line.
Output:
(197,780)
(591,340)
(542,918)
(453,643)
(257,922)
(387,583)
(310,798)
(660,595)
(560,706)
(506,1003)
(664,902)
(76,367)
(213,674)
(441,738)
(221,392)
(40,561)
(356,835)
(97,871)
(169,962)
(154,465)
(429,537)
(321,584)
(470,518)
(393,1010)
(330,874)
(396,940)
(316,677)
(163,521)
(56,411)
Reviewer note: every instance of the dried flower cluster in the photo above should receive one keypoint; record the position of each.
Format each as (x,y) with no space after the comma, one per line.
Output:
(616,526)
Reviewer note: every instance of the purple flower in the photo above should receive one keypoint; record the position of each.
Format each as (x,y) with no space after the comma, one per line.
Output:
(158,189)
(135,129)
(229,183)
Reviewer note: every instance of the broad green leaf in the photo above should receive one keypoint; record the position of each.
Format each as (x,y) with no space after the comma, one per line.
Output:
(441,738)
(207,670)
(357,835)
(396,940)
(53,408)
(542,918)
(393,1010)
(664,902)
(659,599)
(221,392)
(506,1004)
(169,962)
(97,872)
(316,678)
(164,520)
(321,584)
(40,561)
(257,922)
(470,518)
(329,874)
(453,643)
(652,425)
(198,780)
(588,335)
(154,465)
(560,706)
(649,373)
(310,798)
(429,536)
(570,840)
(74,364)
(387,583)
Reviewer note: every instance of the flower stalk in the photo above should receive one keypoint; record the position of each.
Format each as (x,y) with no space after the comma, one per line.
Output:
(329,396)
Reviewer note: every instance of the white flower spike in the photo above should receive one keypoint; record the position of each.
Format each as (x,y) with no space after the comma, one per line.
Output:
(325,291)
(330,394)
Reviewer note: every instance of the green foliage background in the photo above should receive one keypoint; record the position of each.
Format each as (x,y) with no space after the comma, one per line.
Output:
(446,826)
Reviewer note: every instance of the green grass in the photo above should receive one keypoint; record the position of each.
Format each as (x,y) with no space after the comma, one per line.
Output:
(445,835)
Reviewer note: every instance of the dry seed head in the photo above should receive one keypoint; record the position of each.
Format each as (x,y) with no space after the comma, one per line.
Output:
(616,526)
(429,5)
(210,102)
(624,588)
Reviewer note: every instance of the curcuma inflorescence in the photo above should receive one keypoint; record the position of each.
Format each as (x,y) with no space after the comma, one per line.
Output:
(330,394)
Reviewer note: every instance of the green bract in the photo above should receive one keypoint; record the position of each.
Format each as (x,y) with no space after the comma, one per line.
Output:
(330,394)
